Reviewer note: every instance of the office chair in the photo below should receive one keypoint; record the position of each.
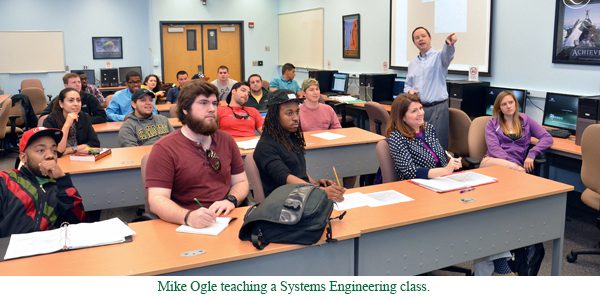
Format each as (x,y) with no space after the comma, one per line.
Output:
(388,174)
(107,100)
(4,128)
(36,98)
(34,83)
(147,214)
(254,178)
(590,176)
(458,139)
(173,111)
(379,118)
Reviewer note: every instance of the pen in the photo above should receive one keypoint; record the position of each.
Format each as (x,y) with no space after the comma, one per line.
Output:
(467,190)
(336,176)
(198,202)
(448,154)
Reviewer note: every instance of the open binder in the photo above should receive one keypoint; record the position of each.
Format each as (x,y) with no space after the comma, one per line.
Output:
(67,237)
(460,180)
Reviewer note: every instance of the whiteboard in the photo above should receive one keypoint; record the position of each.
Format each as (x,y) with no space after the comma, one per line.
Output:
(301,38)
(32,51)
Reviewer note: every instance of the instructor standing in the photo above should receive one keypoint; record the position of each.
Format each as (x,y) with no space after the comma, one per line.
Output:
(426,77)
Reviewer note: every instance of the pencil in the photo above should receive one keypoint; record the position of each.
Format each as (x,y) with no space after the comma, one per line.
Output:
(198,202)
(336,176)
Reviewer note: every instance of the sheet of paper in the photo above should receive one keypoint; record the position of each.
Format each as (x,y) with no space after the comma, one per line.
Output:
(248,144)
(34,243)
(353,200)
(387,197)
(214,230)
(328,136)
(471,178)
(439,184)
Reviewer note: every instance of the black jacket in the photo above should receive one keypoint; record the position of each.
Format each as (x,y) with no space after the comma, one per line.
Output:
(27,206)
(83,129)
(89,105)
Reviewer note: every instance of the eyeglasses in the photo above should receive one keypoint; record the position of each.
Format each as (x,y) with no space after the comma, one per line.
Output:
(213,159)
(240,116)
(134,82)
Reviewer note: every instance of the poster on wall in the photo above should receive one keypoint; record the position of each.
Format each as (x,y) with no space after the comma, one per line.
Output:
(351,36)
(577,32)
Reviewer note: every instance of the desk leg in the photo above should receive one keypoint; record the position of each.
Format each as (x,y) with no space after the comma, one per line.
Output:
(557,256)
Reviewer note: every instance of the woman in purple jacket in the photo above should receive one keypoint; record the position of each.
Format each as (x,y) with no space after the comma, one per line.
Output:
(508,136)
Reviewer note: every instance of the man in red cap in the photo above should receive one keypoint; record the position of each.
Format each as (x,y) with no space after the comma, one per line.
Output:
(39,195)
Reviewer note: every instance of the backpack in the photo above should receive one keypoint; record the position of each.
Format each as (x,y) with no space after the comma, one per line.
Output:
(527,260)
(291,214)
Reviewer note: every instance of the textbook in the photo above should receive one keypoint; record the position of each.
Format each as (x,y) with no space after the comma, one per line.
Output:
(93,154)
(69,237)
(455,181)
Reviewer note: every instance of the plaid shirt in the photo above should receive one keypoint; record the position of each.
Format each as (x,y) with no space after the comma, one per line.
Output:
(93,90)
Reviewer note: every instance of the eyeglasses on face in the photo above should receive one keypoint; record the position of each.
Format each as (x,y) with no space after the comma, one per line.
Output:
(134,82)
(213,159)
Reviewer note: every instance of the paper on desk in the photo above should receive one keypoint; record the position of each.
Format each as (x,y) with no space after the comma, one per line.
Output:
(247,144)
(328,135)
(353,200)
(387,197)
(215,229)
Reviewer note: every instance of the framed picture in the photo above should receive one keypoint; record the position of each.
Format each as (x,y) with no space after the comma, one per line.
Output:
(351,36)
(576,32)
(108,47)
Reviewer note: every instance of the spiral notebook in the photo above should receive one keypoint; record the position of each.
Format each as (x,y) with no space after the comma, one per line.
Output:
(68,237)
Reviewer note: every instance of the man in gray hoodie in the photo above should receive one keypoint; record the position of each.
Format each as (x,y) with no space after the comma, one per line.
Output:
(141,127)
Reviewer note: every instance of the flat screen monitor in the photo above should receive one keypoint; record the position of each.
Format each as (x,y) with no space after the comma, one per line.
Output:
(325,78)
(124,70)
(492,93)
(91,75)
(383,87)
(398,86)
(340,82)
(560,111)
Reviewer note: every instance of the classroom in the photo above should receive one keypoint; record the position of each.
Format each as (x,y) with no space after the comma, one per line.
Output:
(520,57)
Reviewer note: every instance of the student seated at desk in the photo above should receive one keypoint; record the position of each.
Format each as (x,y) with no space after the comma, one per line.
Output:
(173,93)
(38,196)
(286,81)
(152,82)
(508,136)
(258,94)
(120,105)
(76,125)
(414,147)
(142,127)
(196,173)
(279,154)
(315,115)
(237,119)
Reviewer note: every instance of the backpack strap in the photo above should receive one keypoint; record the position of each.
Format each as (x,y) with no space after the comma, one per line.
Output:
(258,240)
(329,234)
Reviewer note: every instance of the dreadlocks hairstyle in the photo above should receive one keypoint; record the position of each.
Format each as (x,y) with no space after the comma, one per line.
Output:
(293,142)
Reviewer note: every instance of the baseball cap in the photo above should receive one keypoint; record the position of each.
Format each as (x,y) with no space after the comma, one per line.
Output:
(138,94)
(35,133)
(281,96)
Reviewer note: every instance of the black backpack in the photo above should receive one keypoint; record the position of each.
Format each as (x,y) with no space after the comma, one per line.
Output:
(291,214)
(527,260)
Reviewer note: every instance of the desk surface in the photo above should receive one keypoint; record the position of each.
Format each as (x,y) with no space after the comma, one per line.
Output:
(115,126)
(131,157)
(512,187)
(112,88)
(387,107)
(565,145)
(156,249)
(164,107)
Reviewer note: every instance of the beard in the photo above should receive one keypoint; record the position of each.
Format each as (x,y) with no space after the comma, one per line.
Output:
(200,126)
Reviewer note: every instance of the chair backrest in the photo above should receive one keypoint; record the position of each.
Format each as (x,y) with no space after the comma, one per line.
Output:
(386,164)
(590,160)
(458,136)
(36,98)
(17,110)
(146,202)
(4,113)
(28,83)
(379,118)
(254,178)
(41,120)
(173,111)
(476,140)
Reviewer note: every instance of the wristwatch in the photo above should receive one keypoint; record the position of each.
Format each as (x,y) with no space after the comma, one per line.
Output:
(232,199)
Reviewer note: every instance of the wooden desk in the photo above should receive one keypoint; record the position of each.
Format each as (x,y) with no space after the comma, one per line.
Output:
(156,249)
(438,230)
(115,181)
(111,182)
(108,90)
(163,109)
(108,132)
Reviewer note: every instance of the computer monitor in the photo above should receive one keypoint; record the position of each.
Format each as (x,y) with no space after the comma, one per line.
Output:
(340,82)
(90,74)
(124,70)
(492,93)
(383,87)
(325,78)
(398,87)
(560,111)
